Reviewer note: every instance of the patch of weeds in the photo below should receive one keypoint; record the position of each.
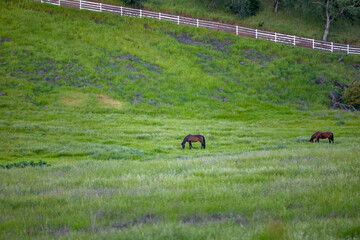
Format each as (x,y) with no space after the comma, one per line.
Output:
(5,39)
(208,41)
(147,219)
(255,56)
(24,164)
(322,80)
(55,73)
(204,219)
(340,123)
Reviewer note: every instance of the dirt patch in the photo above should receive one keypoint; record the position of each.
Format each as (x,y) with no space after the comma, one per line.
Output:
(147,219)
(109,102)
(2,94)
(219,90)
(204,219)
(120,62)
(205,57)
(71,101)
(2,40)
(137,98)
(210,42)
(322,80)
(253,55)
(223,99)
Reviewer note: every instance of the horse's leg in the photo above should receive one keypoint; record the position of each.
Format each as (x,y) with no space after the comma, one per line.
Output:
(329,140)
(190,145)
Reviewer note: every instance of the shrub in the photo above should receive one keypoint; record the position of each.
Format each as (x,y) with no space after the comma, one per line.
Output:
(243,8)
(351,95)
(135,3)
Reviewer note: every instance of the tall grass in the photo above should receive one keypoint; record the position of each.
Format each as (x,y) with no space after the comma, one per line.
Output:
(107,101)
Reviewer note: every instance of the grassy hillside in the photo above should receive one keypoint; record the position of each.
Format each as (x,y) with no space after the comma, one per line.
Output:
(107,101)
(292,22)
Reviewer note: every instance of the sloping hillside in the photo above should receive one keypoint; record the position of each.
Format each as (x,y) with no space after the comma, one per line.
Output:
(293,22)
(162,65)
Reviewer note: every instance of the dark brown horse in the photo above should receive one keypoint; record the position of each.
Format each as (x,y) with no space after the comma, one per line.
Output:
(193,138)
(322,135)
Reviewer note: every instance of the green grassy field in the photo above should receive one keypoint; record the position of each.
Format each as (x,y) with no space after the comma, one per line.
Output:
(107,100)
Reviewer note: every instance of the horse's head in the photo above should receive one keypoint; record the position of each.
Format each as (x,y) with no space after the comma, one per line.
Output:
(311,140)
(182,145)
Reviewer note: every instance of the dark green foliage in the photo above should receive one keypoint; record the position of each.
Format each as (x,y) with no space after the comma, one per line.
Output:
(135,3)
(350,9)
(351,95)
(24,164)
(242,8)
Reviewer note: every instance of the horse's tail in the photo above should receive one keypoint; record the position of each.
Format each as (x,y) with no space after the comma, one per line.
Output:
(204,142)
(332,137)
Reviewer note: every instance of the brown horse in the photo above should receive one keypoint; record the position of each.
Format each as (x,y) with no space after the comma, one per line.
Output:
(193,138)
(322,135)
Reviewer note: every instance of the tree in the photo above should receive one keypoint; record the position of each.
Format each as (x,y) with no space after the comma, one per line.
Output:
(276,5)
(329,10)
(332,9)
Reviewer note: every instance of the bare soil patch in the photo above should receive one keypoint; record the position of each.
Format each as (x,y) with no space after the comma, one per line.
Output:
(204,219)
(109,102)
(71,101)
(210,42)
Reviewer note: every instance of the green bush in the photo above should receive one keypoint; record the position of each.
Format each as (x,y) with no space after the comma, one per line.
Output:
(24,164)
(135,3)
(351,95)
(243,8)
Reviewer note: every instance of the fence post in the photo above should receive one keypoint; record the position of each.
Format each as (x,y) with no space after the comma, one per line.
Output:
(197,22)
(121,11)
(313,43)
(140,13)
(332,47)
(256,33)
(275,37)
(237,30)
(159,16)
(348,49)
(80,4)
(100,7)
(294,40)
(178,20)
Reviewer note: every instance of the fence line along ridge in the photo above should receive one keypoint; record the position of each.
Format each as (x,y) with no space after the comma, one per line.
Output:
(237,30)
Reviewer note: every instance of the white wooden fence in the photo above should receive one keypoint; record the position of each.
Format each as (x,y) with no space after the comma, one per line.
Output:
(237,30)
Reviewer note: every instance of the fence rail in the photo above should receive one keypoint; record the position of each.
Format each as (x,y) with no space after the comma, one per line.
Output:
(232,29)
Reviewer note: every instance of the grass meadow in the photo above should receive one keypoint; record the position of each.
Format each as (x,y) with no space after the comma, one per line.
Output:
(107,100)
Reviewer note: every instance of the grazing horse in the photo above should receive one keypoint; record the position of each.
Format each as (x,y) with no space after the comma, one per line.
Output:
(193,138)
(322,135)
